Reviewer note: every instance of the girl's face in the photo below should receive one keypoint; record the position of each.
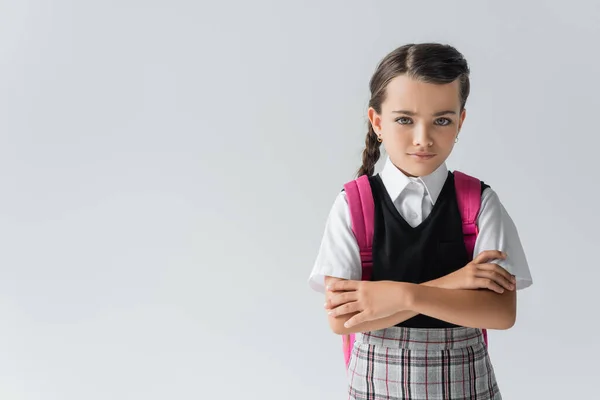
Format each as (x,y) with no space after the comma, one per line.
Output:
(419,123)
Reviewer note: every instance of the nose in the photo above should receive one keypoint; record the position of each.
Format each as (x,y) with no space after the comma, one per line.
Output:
(422,136)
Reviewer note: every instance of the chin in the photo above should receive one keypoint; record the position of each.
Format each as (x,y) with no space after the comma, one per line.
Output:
(420,169)
(411,167)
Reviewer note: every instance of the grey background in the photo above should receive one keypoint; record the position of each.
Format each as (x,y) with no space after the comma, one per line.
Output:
(166,168)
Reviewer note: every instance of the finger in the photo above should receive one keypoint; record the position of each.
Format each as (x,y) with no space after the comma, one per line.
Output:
(344,309)
(340,298)
(496,277)
(485,283)
(346,285)
(487,255)
(499,270)
(357,320)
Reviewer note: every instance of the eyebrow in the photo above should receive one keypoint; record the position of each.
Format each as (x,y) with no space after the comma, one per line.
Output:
(437,114)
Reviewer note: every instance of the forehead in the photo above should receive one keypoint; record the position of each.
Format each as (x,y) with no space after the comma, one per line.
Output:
(404,93)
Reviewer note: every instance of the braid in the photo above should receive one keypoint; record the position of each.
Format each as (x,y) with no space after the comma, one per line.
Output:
(370,154)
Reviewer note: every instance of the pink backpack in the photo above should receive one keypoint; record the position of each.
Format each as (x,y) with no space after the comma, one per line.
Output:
(362,213)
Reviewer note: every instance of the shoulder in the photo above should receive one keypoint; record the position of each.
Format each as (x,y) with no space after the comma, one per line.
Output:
(340,211)
(341,200)
(490,201)
(471,180)
(362,181)
(491,205)
(356,195)
(467,185)
(489,197)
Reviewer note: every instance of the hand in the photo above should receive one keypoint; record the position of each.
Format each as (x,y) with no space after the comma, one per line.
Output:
(371,300)
(479,274)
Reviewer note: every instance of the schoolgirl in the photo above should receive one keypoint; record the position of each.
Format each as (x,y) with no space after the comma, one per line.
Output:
(420,315)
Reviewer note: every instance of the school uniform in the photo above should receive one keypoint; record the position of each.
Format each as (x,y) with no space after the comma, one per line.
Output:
(418,237)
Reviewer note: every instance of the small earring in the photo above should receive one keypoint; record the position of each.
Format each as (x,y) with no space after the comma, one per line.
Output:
(379,139)
(456,141)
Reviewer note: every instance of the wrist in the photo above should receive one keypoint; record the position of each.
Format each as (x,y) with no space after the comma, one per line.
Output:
(411,294)
(438,283)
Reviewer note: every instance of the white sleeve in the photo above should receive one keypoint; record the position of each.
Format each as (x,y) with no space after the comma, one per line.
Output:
(339,255)
(497,231)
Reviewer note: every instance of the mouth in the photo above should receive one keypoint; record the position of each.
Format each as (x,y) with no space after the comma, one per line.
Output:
(420,155)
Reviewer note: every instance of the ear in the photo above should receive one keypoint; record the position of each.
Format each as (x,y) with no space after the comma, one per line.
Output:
(463,115)
(375,120)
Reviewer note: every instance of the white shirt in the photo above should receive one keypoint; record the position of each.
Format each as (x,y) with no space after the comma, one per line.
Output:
(414,198)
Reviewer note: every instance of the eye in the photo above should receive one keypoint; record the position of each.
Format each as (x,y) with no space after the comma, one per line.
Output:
(443,121)
(404,120)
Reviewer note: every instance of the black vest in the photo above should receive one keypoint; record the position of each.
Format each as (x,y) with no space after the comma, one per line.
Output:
(428,251)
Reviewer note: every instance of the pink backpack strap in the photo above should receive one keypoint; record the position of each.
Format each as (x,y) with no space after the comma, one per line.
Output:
(362,216)
(468,195)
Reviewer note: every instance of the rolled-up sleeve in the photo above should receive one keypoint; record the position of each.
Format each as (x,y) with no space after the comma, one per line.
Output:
(338,254)
(497,231)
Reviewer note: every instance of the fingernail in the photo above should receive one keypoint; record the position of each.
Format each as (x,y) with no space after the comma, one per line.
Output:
(347,325)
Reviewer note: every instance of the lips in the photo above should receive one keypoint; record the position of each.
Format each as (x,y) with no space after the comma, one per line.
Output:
(422,154)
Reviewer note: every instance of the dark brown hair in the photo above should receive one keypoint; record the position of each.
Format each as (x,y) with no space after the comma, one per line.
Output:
(427,62)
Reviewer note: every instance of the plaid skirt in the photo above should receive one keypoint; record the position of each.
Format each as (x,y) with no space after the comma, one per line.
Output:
(417,363)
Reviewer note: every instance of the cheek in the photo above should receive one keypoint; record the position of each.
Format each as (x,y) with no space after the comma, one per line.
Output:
(447,141)
(447,135)
(398,131)
(398,137)
(396,141)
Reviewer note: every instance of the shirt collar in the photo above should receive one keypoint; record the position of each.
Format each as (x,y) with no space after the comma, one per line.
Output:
(395,181)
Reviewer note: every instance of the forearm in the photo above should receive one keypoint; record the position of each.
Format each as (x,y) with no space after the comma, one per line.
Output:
(337,323)
(471,308)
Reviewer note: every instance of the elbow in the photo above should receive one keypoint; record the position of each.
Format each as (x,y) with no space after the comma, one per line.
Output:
(503,325)
(507,321)
(508,315)
(337,326)
(339,331)
(511,319)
